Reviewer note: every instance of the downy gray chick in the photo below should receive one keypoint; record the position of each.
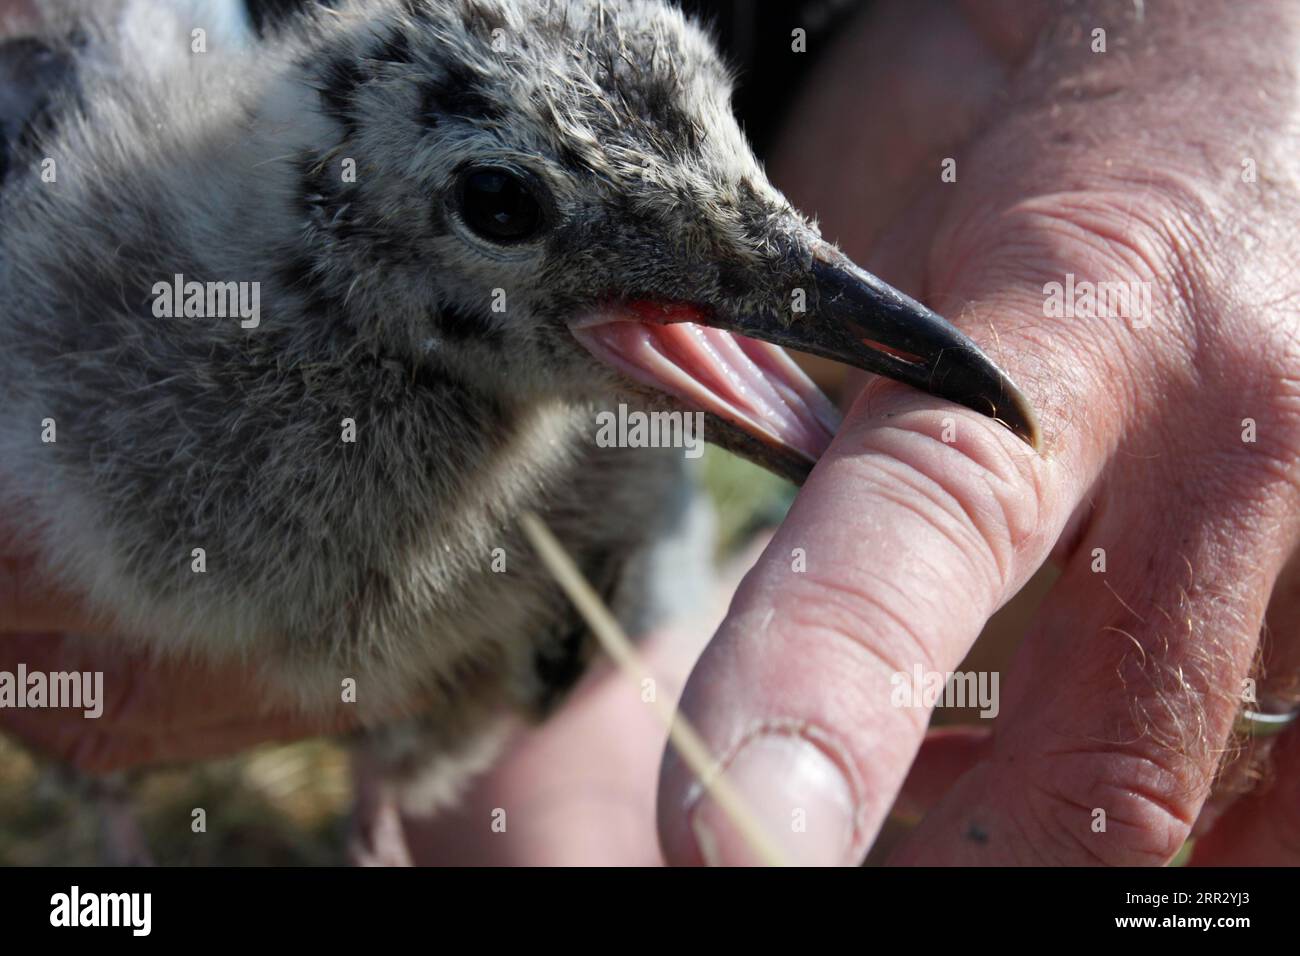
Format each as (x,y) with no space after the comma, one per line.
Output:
(464,227)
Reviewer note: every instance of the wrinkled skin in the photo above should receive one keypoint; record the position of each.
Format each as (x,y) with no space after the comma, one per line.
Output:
(1114,167)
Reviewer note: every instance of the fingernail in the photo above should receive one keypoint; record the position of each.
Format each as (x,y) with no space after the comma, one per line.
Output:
(797,794)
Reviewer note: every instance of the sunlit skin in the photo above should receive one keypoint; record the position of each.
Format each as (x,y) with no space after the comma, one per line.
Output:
(1113,167)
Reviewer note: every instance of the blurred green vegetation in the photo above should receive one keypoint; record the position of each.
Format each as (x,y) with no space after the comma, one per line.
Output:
(744,496)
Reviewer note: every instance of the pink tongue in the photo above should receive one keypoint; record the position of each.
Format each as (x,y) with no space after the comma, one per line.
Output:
(752,384)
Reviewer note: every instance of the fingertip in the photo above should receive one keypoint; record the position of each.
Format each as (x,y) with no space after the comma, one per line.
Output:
(799,797)
(676,841)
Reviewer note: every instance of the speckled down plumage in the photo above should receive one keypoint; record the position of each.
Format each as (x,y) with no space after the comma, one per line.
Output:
(371,560)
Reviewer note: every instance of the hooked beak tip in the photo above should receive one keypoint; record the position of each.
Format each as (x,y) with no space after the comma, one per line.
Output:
(856,319)
(1017,414)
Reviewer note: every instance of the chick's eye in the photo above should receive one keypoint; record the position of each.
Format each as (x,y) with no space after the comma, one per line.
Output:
(499,206)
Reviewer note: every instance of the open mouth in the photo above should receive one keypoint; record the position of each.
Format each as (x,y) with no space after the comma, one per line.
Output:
(752,385)
(736,370)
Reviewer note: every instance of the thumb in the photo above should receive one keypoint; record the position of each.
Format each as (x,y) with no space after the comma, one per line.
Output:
(898,549)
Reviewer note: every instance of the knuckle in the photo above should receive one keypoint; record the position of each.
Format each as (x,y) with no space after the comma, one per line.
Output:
(870,615)
(1110,274)
(964,478)
(1212,342)
(1162,237)
(1123,806)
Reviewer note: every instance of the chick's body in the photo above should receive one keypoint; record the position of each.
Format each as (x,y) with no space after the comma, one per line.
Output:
(351,467)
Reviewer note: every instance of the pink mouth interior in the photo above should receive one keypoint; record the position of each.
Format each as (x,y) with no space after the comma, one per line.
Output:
(752,384)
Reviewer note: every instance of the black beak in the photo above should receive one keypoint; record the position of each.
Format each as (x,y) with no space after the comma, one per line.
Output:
(856,319)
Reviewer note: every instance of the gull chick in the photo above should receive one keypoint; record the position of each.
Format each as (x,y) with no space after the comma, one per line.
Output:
(293,330)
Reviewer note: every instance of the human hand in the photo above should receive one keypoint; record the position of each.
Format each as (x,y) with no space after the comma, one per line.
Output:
(1171,442)
(152,711)
(16,16)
